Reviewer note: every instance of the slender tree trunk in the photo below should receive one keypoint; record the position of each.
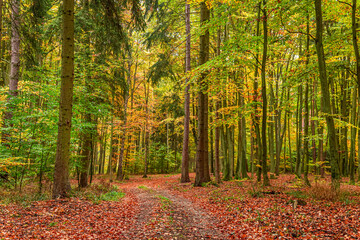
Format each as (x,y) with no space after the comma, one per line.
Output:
(61,171)
(306,127)
(353,137)
(111,154)
(120,172)
(354,27)
(202,161)
(85,154)
(242,160)
(256,115)
(333,145)
(2,80)
(146,143)
(299,137)
(14,66)
(185,151)
(266,181)
(217,143)
(271,130)
(313,128)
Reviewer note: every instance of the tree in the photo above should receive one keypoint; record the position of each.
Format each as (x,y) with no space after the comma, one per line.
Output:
(202,151)
(333,144)
(61,173)
(185,151)
(14,64)
(264,98)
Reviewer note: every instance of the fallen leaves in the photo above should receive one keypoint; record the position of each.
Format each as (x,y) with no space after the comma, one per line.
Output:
(162,208)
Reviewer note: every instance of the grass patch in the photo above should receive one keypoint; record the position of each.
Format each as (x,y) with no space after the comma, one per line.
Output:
(165,202)
(111,196)
(96,193)
(323,191)
(23,199)
(143,187)
(255,192)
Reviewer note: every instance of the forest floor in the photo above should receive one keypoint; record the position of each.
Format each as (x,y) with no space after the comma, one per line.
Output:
(160,207)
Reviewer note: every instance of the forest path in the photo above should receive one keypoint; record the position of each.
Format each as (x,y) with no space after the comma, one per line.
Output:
(162,214)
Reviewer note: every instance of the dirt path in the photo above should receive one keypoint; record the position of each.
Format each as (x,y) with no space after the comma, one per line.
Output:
(163,215)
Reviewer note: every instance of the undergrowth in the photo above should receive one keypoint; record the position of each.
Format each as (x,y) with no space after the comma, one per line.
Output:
(103,191)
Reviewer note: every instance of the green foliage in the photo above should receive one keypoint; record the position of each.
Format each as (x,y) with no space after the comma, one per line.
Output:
(111,196)
(165,202)
(297,194)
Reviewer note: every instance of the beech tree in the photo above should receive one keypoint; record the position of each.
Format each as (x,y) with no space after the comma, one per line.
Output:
(185,151)
(202,152)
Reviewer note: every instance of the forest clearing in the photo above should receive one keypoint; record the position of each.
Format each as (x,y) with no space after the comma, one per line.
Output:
(163,208)
(179,119)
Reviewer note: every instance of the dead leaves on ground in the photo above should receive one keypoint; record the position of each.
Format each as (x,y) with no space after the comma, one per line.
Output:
(237,211)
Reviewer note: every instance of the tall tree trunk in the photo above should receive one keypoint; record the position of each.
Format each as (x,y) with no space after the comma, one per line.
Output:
(314,127)
(146,142)
(14,66)
(2,80)
(266,181)
(354,27)
(112,152)
(306,127)
(299,137)
(271,130)
(353,137)
(120,172)
(202,155)
(61,171)
(333,145)
(241,160)
(256,116)
(185,151)
(217,143)
(85,153)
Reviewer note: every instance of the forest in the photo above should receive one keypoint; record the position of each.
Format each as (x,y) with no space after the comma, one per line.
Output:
(179,119)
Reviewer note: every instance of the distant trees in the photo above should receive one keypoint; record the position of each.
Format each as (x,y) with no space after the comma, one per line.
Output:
(274,89)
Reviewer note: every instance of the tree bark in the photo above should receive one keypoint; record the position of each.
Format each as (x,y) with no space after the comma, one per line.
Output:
(333,145)
(85,154)
(306,127)
(202,152)
(255,116)
(185,151)
(266,181)
(354,26)
(14,66)
(61,171)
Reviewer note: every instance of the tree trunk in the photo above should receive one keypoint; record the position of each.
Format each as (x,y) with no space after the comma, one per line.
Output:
(354,27)
(185,151)
(2,80)
(111,154)
(353,138)
(255,116)
(14,66)
(120,172)
(217,143)
(266,181)
(85,154)
(306,127)
(333,145)
(202,161)
(146,143)
(61,171)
